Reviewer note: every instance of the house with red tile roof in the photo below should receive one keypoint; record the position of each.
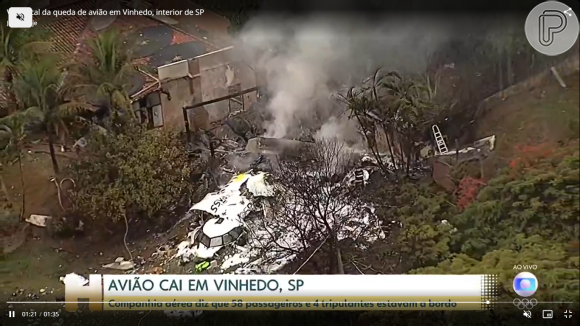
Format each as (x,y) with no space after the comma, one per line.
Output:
(158,41)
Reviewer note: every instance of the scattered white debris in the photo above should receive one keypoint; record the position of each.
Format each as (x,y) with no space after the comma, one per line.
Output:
(81,142)
(234,260)
(369,159)
(446,223)
(120,264)
(184,251)
(73,278)
(357,177)
(231,207)
(258,186)
(38,220)
(226,203)
(488,142)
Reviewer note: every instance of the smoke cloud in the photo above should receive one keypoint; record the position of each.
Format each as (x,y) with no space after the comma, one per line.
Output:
(307,59)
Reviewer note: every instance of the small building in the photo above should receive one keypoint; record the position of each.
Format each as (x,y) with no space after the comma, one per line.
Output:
(188,64)
(206,78)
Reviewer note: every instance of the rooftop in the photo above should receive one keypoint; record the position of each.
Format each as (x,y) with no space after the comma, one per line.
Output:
(156,39)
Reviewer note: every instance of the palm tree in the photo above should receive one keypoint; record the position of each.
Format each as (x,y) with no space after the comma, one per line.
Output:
(38,87)
(16,45)
(106,72)
(411,108)
(402,107)
(14,127)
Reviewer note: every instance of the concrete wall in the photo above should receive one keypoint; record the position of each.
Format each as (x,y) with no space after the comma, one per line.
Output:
(220,73)
(175,79)
(181,95)
(201,79)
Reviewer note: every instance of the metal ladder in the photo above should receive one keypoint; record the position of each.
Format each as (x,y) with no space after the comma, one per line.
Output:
(441,146)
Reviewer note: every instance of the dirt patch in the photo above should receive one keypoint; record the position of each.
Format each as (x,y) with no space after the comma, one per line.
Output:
(41,196)
(33,270)
(32,259)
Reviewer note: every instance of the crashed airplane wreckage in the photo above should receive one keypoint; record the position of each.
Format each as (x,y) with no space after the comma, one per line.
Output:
(238,234)
(233,227)
(275,146)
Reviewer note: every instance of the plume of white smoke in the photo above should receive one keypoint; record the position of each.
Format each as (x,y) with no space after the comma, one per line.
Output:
(240,163)
(342,128)
(305,60)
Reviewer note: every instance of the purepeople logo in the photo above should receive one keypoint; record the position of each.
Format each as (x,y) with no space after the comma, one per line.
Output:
(79,289)
(552,28)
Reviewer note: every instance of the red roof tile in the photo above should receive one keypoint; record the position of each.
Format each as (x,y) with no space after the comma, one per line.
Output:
(179,37)
(70,32)
(67,30)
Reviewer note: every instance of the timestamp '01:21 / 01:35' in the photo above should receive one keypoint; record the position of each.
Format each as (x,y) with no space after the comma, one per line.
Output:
(38,314)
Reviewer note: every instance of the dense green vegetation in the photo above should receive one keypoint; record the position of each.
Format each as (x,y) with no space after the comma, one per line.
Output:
(527,214)
(532,217)
(135,174)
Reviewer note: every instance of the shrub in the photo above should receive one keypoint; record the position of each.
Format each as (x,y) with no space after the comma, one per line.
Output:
(423,213)
(558,270)
(138,173)
(542,200)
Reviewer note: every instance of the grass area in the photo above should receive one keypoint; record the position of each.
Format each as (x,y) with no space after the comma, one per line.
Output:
(41,196)
(30,260)
(32,267)
(546,116)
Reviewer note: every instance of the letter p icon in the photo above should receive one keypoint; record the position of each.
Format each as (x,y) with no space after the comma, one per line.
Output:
(76,290)
(552,22)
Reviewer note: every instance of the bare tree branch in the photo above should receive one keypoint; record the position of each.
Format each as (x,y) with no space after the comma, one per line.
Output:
(313,204)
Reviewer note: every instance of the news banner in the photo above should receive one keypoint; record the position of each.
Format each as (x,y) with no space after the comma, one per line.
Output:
(282,292)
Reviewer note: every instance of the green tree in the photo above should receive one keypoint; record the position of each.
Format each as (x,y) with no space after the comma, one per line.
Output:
(106,73)
(38,87)
(138,174)
(409,110)
(14,126)
(17,45)
(543,200)
(403,108)
(558,270)
(364,105)
(425,236)
(502,43)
